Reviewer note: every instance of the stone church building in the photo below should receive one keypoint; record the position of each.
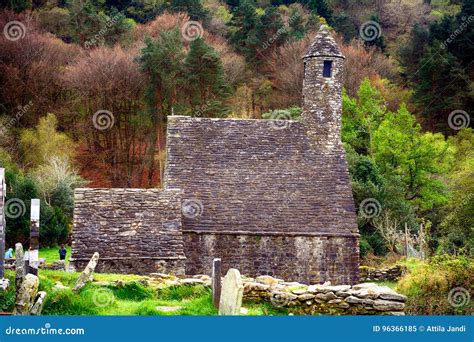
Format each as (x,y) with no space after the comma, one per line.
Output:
(269,197)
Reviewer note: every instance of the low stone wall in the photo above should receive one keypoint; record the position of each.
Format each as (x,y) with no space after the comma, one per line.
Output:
(300,299)
(361,299)
(383,274)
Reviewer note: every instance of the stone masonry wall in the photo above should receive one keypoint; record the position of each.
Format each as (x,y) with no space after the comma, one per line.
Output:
(134,230)
(310,259)
(381,274)
(326,299)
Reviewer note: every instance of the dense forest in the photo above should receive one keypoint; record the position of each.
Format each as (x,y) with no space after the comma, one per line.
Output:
(87,86)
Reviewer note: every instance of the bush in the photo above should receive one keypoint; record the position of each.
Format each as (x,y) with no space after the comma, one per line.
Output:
(364,247)
(441,287)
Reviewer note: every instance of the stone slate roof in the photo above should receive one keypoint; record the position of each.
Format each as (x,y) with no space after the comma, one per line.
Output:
(253,176)
(323,45)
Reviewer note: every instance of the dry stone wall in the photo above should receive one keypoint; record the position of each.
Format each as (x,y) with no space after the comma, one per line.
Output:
(301,299)
(134,230)
(381,274)
(326,299)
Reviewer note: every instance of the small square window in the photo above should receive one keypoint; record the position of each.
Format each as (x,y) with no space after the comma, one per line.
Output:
(327,69)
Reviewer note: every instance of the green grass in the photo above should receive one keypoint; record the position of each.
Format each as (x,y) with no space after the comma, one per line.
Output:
(391,284)
(51,254)
(129,298)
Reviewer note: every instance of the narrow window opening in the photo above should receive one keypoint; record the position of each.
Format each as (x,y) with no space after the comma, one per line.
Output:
(327,69)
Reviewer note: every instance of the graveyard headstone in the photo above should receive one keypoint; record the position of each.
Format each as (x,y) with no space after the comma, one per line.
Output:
(232,292)
(34,237)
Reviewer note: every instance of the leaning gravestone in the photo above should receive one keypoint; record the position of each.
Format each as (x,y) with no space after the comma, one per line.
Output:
(87,273)
(232,292)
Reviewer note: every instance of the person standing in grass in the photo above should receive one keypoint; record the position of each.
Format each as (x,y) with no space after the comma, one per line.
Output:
(62,252)
(9,253)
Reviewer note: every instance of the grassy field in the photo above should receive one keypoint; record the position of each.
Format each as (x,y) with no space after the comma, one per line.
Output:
(130,298)
(51,254)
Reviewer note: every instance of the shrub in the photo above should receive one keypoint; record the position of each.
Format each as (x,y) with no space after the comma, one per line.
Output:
(440,287)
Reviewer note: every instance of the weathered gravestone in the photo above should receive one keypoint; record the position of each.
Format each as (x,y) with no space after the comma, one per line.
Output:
(38,305)
(26,295)
(216,282)
(34,237)
(19,265)
(87,273)
(232,292)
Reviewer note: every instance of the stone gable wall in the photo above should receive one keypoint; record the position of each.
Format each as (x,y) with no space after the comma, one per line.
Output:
(134,230)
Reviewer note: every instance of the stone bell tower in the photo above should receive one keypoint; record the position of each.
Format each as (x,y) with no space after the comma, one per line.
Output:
(322,91)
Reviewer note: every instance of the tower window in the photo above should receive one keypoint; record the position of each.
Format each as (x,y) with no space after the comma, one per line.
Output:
(327,68)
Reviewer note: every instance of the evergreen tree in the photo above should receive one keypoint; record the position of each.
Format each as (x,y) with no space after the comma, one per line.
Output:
(443,87)
(206,83)
(17,5)
(411,54)
(321,7)
(271,31)
(296,24)
(243,30)
(379,41)
(344,24)
(193,7)
(162,61)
